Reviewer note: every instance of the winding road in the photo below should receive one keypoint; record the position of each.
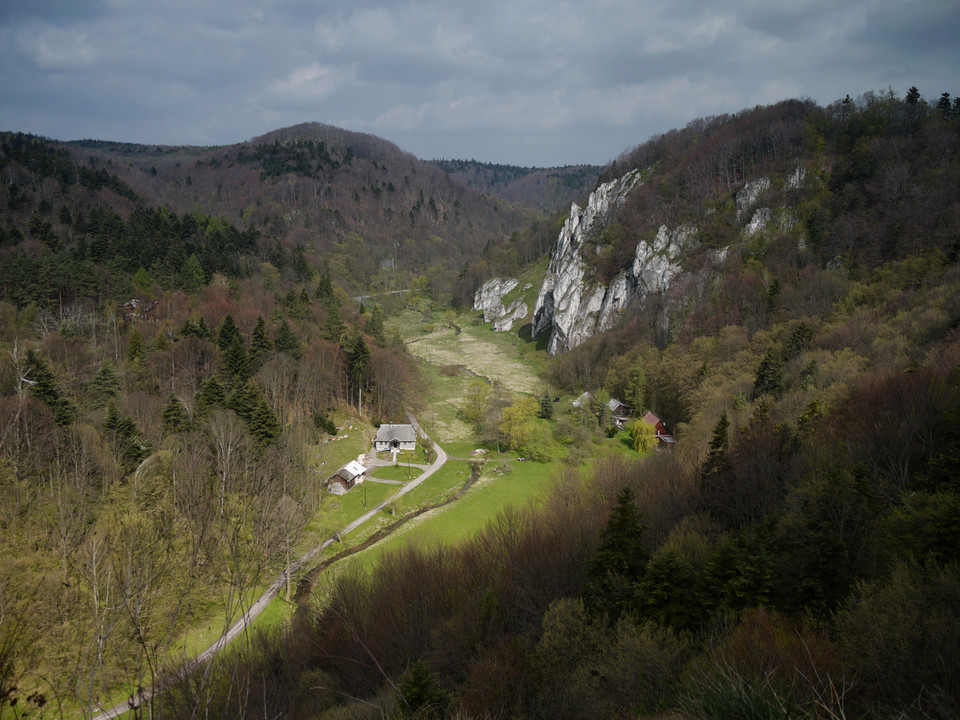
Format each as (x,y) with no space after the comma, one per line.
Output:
(277,585)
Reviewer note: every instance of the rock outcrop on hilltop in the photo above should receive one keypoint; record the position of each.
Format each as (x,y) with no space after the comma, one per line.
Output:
(573,308)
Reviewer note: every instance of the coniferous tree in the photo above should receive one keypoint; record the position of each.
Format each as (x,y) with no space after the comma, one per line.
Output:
(44,388)
(174,416)
(375,326)
(105,385)
(335,327)
(358,363)
(545,410)
(717,465)
(235,360)
(263,424)
(227,333)
(324,291)
(260,345)
(210,394)
(620,561)
(135,351)
(286,341)
(769,379)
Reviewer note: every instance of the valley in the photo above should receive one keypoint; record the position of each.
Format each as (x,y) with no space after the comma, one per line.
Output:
(706,461)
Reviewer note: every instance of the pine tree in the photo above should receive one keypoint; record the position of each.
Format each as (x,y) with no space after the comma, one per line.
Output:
(44,389)
(135,351)
(286,341)
(174,416)
(545,411)
(260,345)
(227,333)
(105,385)
(620,561)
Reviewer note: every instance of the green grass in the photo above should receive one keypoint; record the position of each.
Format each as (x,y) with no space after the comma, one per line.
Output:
(527,483)
(403,473)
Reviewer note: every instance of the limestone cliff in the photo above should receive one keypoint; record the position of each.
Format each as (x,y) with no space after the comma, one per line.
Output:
(572,309)
(489,300)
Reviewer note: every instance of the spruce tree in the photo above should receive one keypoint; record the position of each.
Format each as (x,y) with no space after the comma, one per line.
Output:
(44,389)
(235,360)
(263,424)
(105,385)
(210,394)
(546,406)
(227,333)
(174,416)
(286,341)
(375,326)
(135,351)
(260,345)
(621,559)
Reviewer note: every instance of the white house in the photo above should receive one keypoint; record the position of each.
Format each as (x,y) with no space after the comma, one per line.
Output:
(395,437)
(351,474)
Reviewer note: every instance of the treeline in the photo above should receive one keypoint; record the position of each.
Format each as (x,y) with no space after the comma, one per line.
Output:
(809,567)
(96,255)
(41,158)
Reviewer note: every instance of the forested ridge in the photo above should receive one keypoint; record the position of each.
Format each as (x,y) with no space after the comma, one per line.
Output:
(795,555)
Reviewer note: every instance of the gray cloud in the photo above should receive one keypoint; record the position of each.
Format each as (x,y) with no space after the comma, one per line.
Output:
(532,82)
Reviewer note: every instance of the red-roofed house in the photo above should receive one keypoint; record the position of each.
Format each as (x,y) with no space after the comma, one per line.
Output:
(665,439)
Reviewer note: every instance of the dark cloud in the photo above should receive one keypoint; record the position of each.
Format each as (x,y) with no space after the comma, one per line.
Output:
(532,82)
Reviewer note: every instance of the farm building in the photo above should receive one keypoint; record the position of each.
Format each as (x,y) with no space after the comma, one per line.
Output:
(583,401)
(664,438)
(395,437)
(346,477)
(620,411)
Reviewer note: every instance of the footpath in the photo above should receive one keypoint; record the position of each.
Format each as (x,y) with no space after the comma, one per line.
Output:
(145,695)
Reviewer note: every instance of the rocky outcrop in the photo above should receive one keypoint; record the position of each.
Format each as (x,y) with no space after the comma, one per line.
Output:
(489,300)
(573,310)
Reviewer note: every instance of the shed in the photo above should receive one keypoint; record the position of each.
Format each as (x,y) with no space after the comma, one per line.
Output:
(583,401)
(351,474)
(618,409)
(395,437)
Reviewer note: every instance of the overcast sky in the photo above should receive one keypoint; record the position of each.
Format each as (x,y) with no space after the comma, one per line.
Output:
(524,82)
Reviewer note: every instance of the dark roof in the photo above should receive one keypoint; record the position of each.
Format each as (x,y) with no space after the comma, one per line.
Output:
(402,433)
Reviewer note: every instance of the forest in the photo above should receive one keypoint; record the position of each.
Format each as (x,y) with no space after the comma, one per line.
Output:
(795,555)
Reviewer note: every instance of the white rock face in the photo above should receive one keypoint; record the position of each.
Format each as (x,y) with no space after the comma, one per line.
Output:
(489,300)
(748,196)
(573,312)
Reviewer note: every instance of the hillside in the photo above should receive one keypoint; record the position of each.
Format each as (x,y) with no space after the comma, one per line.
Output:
(377,216)
(547,189)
